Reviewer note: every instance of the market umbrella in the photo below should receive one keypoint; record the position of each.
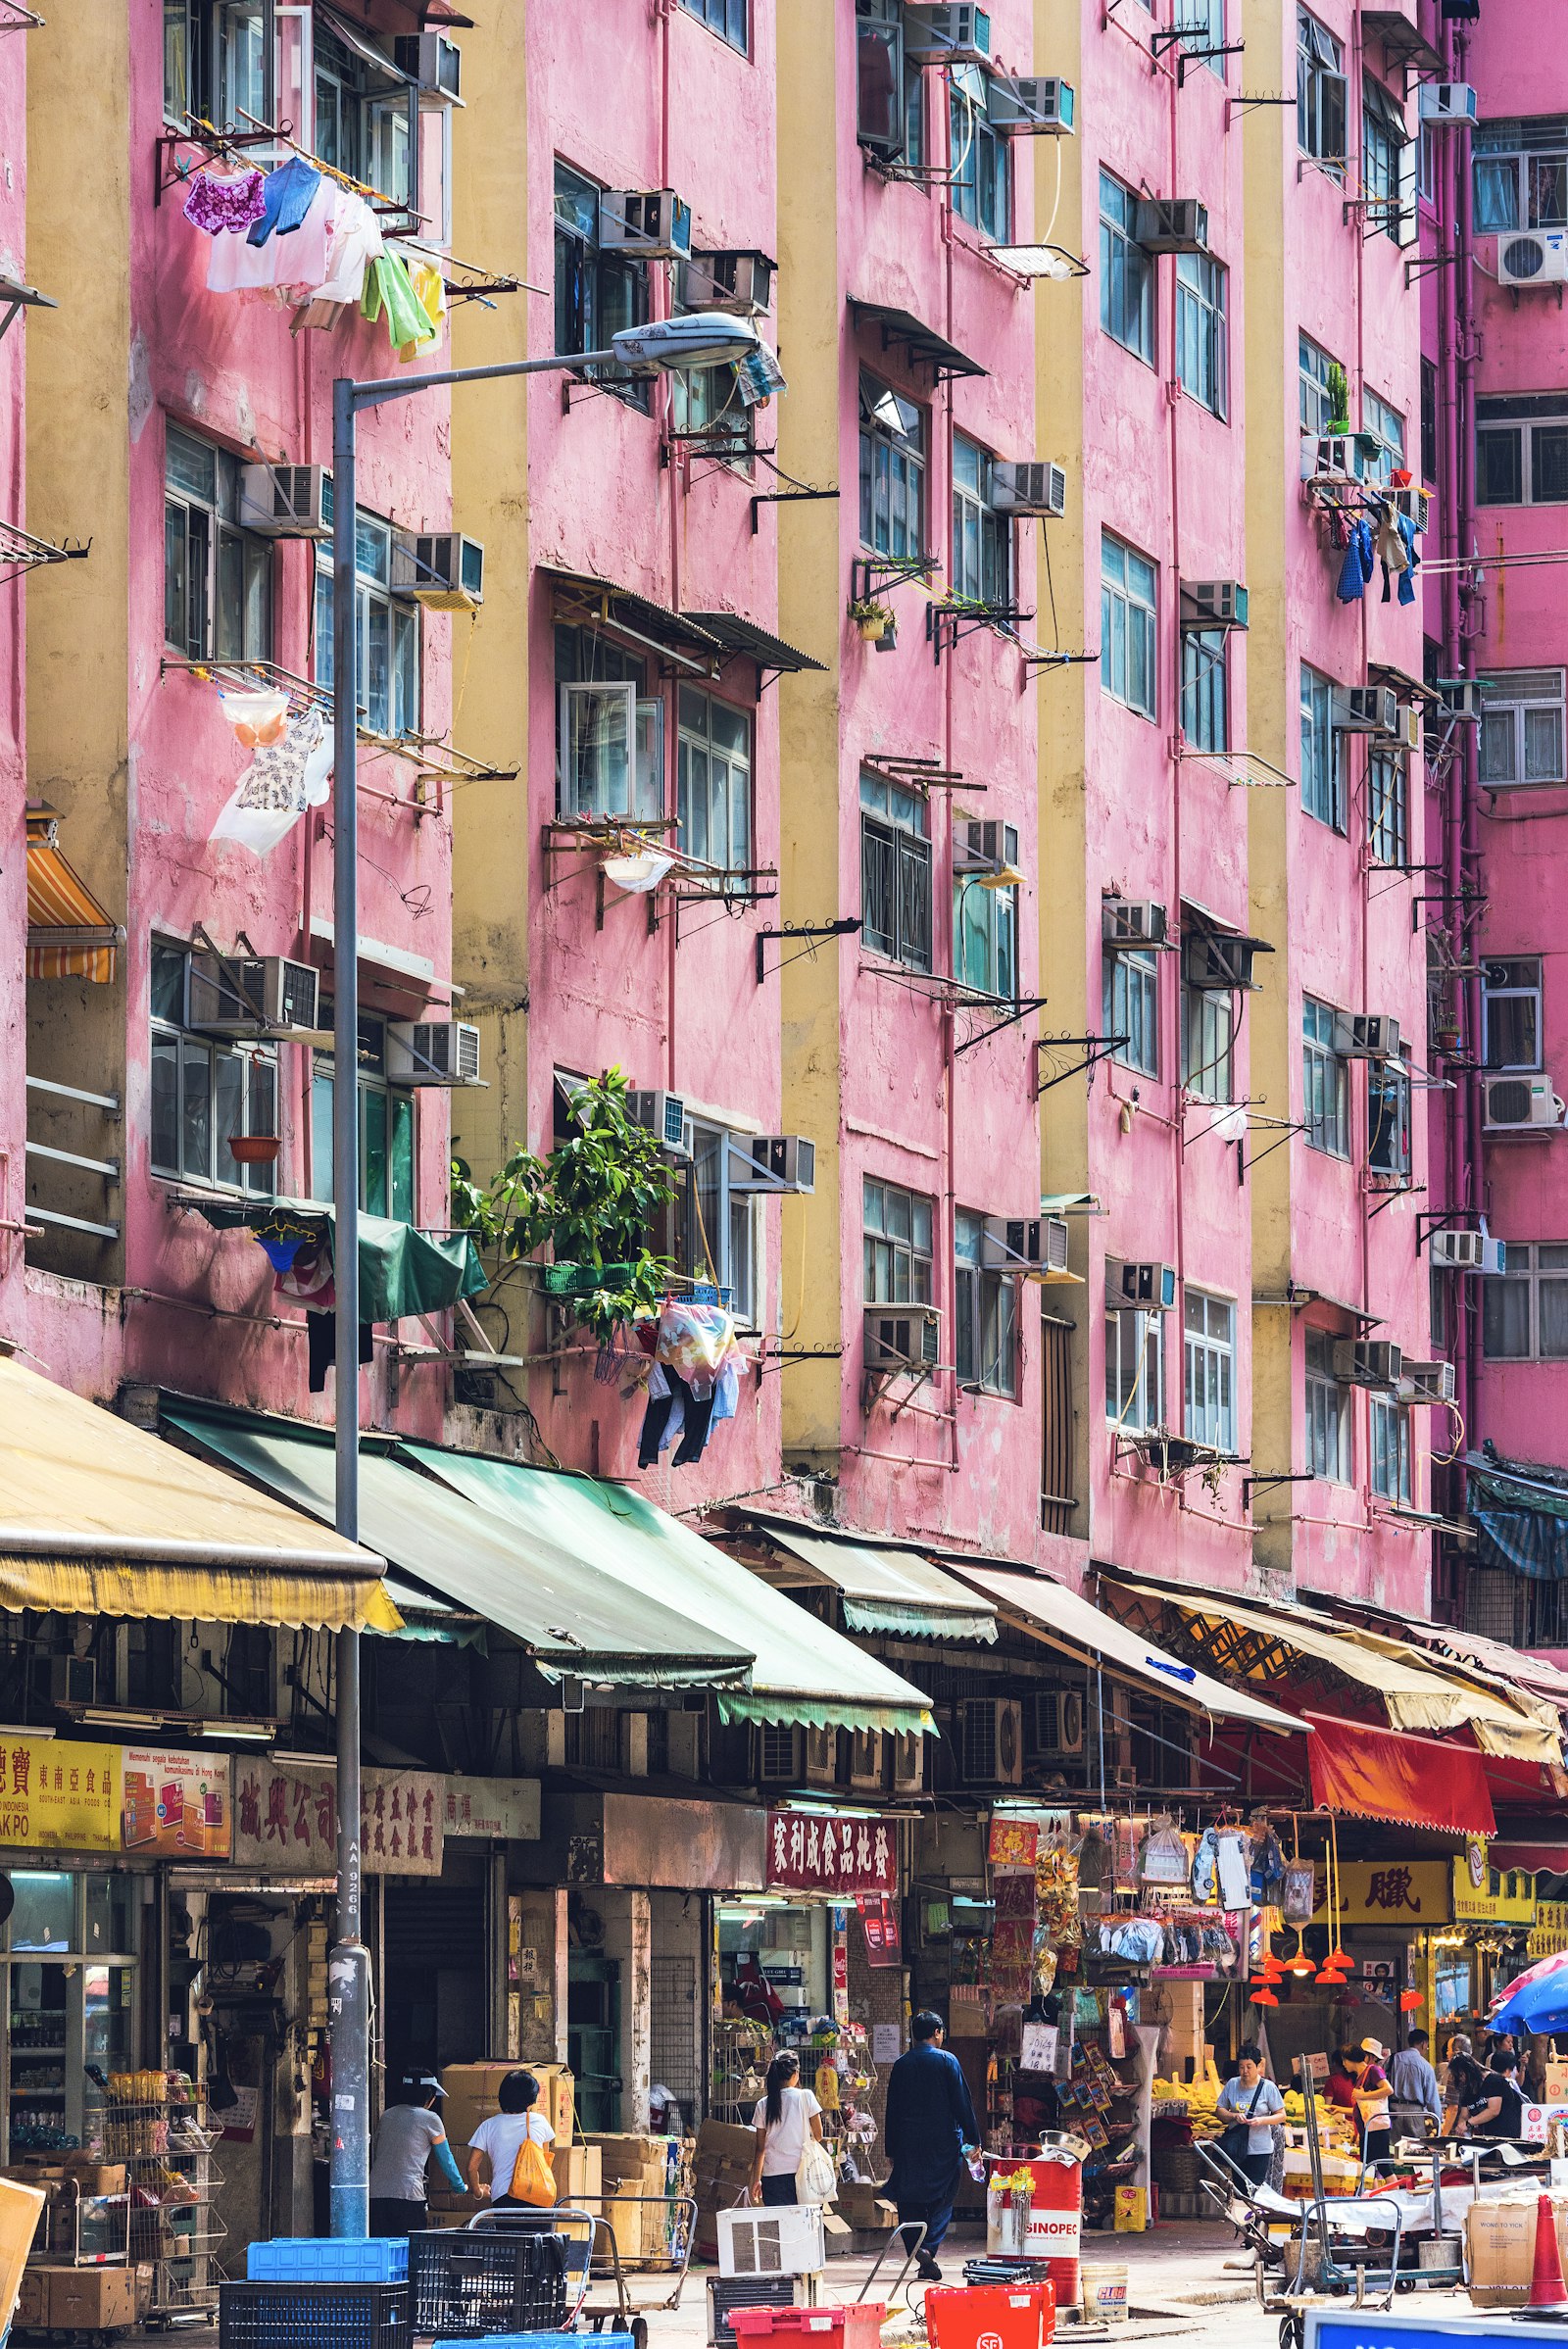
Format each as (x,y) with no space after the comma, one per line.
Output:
(1537,1999)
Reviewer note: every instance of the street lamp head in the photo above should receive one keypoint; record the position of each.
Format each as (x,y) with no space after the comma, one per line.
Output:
(703,339)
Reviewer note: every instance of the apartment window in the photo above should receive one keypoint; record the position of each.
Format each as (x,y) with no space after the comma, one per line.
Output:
(1322,765)
(1202,336)
(1325,1083)
(726,18)
(1209,1022)
(218,578)
(1429,421)
(597,293)
(387,1182)
(387,688)
(982,538)
(1389,1439)
(895,873)
(713,783)
(1522,451)
(367,115)
(1132,1006)
(1521,172)
(1135,1369)
(896,1242)
(1524,1310)
(1203,31)
(978,162)
(1126,272)
(984,928)
(1312,384)
(610,735)
(1322,105)
(986,1314)
(1427,166)
(714,1228)
(1126,626)
(1209,1353)
(1386,425)
(890,88)
(1522,726)
(204,1089)
(1511,1012)
(1387,164)
(1205,720)
(1388,1119)
(1328,1413)
(217,60)
(892,470)
(708,401)
(1386,802)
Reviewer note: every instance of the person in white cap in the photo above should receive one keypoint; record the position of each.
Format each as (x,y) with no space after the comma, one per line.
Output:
(411,2131)
(1372,2100)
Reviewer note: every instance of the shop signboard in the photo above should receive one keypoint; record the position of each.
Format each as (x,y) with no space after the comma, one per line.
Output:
(285,1819)
(56,1796)
(1550,1929)
(502,1809)
(175,1802)
(1488,1896)
(1415,1892)
(880,1921)
(1536,2120)
(837,1853)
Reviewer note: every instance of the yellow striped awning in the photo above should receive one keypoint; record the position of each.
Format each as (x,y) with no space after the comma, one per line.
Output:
(69,936)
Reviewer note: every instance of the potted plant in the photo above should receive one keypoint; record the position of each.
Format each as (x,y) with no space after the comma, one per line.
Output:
(253,1150)
(871,618)
(1337,388)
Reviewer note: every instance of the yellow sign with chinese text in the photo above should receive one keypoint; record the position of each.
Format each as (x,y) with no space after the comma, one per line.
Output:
(56,1796)
(1550,1931)
(1502,1897)
(1415,1892)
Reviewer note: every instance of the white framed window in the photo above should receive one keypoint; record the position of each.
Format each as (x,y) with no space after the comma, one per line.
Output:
(1132,1006)
(1524,1310)
(1202,331)
(1325,1083)
(1205,719)
(1208,1347)
(892,470)
(367,113)
(896,1238)
(204,1089)
(388,687)
(1322,760)
(982,538)
(598,290)
(1388,162)
(610,734)
(218,578)
(713,783)
(1511,1009)
(1208,1042)
(217,59)
(1202,31)
(1135,1369)
(985,929)
(1521,727)
(388,1158)
(895,873)
(890,88)
(726,18)
(1521,172)
(1312,365)
(980,184)
(1389,1441)
(714,1234)
(1322,98)
(1127,608)
(1386,807)
(1522,450)
(986,1312)
(1388,1119)
(1126,272)
(1328,1413)
(1386,425)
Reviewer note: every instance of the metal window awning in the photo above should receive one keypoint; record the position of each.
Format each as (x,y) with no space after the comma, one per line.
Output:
(882,1587)
(1408,688)
(744,637)
(69,936)
(14,297)
(920,344)
(586,602)
(1404,43)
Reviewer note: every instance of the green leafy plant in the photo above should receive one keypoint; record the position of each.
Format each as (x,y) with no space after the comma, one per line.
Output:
(1337,388)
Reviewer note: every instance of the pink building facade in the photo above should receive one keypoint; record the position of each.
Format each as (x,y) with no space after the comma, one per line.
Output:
(13,659)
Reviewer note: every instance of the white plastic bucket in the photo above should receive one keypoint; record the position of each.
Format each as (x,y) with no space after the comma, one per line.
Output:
(1104,2293)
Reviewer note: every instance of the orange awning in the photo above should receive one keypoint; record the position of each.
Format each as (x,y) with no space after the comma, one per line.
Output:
(1412,1781)
(69,936)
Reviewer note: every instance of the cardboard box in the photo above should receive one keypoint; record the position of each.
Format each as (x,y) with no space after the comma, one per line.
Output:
(864,2207)
(94,2177)
(33,2299)
(1501,2238)
(20,2209)
(579,2173)
(473,2093)
(91,2299)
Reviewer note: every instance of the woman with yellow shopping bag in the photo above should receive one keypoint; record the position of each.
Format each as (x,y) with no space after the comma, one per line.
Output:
(513,2145)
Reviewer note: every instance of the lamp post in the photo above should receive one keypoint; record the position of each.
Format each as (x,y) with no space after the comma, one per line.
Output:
(706,338)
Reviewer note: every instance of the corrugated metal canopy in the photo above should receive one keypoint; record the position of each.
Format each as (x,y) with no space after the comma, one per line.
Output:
(745,636)
(885,1588)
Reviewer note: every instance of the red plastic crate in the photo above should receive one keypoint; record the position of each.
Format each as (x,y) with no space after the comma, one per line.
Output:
(991,2316)
(855,2328)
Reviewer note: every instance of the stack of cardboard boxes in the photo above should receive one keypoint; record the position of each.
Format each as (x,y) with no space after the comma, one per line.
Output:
(473,2094)
(106,2293)
(642,2175)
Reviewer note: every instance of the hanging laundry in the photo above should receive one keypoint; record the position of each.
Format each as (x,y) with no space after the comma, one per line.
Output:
(239,263)
(259,719)
(283,780)
(321,1339)
(230,200)
(286,200)
(354,241)
(1356,569)
(1390,544)
(1409,534)
(430,292)
(695,1341)
(387,287)
(308,1279)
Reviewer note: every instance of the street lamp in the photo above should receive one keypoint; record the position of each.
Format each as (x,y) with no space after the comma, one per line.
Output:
(704,338)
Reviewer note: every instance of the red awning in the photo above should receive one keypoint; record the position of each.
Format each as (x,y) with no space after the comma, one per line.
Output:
(1541,1859)
(1387,1773)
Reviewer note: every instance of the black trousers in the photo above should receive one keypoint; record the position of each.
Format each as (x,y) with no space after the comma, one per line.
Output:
(778,2190)
(390,2217)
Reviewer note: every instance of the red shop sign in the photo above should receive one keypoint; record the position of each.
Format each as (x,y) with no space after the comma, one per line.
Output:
(811,1852)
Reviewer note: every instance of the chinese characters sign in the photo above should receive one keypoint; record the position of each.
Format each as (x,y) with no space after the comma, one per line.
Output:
(497,1807)
(285,1819)
(175,1802)
(809,1853)
(56,1796)
(1392,1892)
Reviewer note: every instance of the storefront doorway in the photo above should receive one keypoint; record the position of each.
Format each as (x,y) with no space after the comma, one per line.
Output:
(69,1954)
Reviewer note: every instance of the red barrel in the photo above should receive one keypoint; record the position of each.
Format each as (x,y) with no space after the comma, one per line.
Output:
(1055,2224)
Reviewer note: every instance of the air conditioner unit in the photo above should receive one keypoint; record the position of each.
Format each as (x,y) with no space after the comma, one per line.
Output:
(1213,604)
(909,1760)
(1367,1361)
(901,1337)
(1030,104)
(1214,960)
(1448,101)
(1365,710)
(431,61)
(653,224)
(1036,487)
(1426,1382)
(1407,734)
(1533,256)
(1059,1721)
(740,281)
(252,995)
(821,1765)
(1513,1105)
(780,1755)
(787,2240)
(1036,1245)
(985,847)
(432,1051)
(952,35)
(1152,1286)
(1171,225)
(1457,1251)
(1326,456)
(1365,1035)
(443,571)
(1414,504)
(991,1742)
(772,1163)
(286,501)
(63,1680)
(1131,921)
(664,1114)
(865,1759)
(1462,698)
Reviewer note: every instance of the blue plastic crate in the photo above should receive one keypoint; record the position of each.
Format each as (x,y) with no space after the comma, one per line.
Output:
(303,2259)
(539,2340)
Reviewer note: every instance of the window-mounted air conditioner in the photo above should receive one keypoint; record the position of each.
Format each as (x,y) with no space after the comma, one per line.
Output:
(663,1115)
(1365,1035)
(1365,710)
(819,1765)
(1149,1285)
(865,1760)
(1457,1251)
(984,847)
(772,1163)
(1214,960)
(432,1051)
(285,501)
(1448,101)
(1131,921)
(432,63)
(1426,1381)
(1533,256)
(1213,604)
(1462,699)
(1413,503)
(1036,1244)
(1058,1722)
(991,1742)
(1367,1363)
(901,1337)
(1171,225)
(740,281)
(761,2243)
(1030,105)
(948,35)
(1408,732)
(1513,1105)
(441,569)
(1326,456)
(1035,487)
(252,995)
(653,222)
(909,1760)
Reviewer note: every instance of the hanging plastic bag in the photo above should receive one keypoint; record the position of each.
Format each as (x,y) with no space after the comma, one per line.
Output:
(1298,1899)
(1164,1856)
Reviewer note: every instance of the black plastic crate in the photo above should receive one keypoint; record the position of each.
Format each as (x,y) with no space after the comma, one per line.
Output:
(465,2282)
(726,2293)
(313,2316)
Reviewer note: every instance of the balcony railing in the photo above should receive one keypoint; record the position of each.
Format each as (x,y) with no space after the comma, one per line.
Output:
(107,1171)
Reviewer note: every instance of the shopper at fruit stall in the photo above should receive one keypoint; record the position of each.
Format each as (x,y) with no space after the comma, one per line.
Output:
(929,2128)
(1257,2111)
(1372,2100)
(1339,2087)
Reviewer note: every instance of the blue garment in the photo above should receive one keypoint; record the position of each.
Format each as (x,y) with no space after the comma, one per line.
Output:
(929,2121)
(1356,569)
(935,2217)
(1407,531)
(287,197)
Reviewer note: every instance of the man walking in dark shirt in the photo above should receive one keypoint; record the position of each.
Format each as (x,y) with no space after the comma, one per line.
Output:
(930,2127)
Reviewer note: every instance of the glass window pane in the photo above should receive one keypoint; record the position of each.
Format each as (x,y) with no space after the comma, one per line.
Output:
(321,1134)
(401,1154)
(1505,1319)
(229,1111)
(372,1151)
(164,1076)
(196,1110)
(263,1119)
(1542,745)
(1552,1318)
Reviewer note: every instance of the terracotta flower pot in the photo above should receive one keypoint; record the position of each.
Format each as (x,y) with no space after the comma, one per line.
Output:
(253,1150)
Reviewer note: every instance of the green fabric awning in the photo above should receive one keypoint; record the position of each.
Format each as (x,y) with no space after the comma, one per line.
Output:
(805,1671)
(402,1269)
(887,1589)
(574,1617)
(431,1619)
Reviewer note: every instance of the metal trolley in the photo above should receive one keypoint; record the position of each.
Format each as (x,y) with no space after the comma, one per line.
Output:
(601,2280)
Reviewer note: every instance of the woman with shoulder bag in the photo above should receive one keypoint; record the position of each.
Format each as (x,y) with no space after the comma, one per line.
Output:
(515,2142)
(788,2121)
(1260,2111)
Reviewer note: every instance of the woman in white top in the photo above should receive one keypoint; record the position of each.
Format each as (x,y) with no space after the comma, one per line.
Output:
(500,2138)
(785,2120)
